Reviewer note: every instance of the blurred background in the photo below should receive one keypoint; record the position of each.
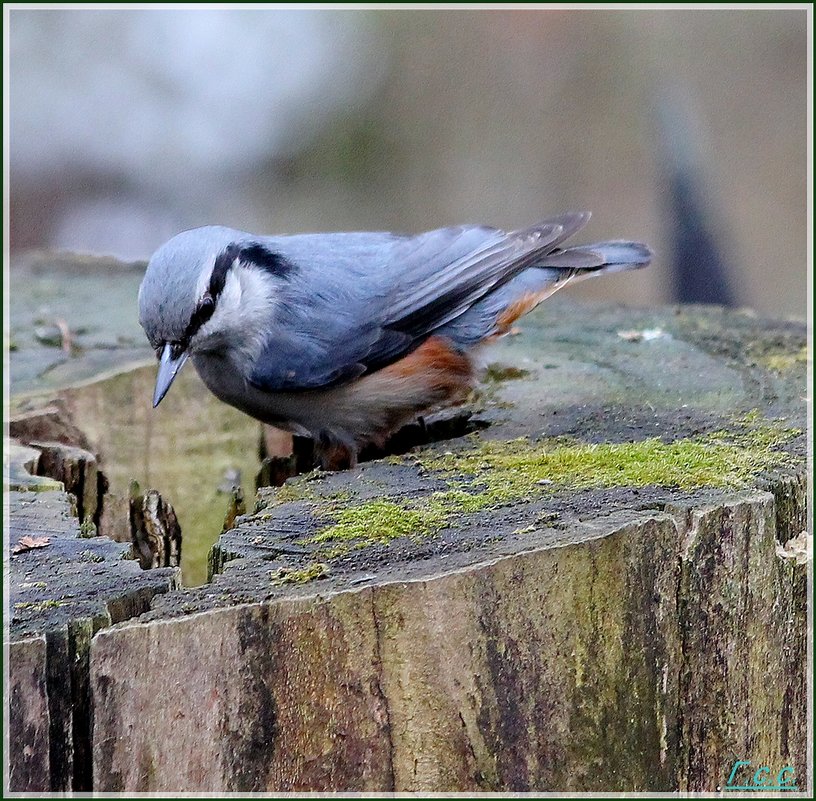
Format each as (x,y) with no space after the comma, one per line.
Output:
(686,129)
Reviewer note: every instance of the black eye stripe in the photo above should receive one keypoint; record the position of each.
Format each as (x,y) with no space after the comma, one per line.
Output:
(223,264)
(261,256)
(203,312)
(253,253)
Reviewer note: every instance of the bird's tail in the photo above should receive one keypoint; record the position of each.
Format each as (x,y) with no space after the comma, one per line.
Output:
(563,267)
(603,257)
(495,314)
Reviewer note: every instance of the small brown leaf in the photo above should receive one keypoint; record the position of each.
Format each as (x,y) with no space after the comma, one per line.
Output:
(28,543)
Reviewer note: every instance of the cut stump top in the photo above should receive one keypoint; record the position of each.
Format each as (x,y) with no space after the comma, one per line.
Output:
(590,418)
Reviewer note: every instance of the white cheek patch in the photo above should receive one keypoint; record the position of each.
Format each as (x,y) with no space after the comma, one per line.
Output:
(242,314)
(228,305)
(204,276)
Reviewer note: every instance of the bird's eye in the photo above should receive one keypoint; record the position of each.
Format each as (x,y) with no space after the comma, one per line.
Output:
(206,307)
(158,349)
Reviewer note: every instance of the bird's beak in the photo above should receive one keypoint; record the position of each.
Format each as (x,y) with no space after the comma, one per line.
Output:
(168,370)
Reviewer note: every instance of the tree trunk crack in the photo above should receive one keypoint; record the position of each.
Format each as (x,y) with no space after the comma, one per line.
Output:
(378,634)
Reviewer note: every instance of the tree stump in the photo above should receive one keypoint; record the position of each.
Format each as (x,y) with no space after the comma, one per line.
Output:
(594,580)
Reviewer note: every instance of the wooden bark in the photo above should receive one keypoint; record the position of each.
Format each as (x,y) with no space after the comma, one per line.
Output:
(61,593)
(77,470)
(155,530)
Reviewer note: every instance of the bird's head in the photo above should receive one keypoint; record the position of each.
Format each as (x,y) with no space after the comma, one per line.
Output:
(208,290)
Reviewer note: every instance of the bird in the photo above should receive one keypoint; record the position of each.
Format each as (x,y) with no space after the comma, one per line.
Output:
(345,337)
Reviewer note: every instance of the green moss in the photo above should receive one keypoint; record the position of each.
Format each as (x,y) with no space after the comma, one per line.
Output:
(510,470)
(785,360)
(298,490)
(38,606)
(501,372)
(496,473)
(87,529)
(377,522)
(290,491)
(315,570)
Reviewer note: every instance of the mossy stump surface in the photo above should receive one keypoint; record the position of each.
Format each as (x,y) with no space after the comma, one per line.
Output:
(599,585)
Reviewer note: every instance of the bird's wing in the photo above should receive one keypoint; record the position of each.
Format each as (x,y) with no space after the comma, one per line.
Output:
(354,303)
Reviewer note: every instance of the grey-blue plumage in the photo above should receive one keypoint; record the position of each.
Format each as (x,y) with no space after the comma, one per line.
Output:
(286,327)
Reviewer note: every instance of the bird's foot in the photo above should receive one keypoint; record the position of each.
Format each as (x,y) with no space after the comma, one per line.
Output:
(333,452)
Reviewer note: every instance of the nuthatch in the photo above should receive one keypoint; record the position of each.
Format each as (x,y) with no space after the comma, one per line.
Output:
(345,337)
